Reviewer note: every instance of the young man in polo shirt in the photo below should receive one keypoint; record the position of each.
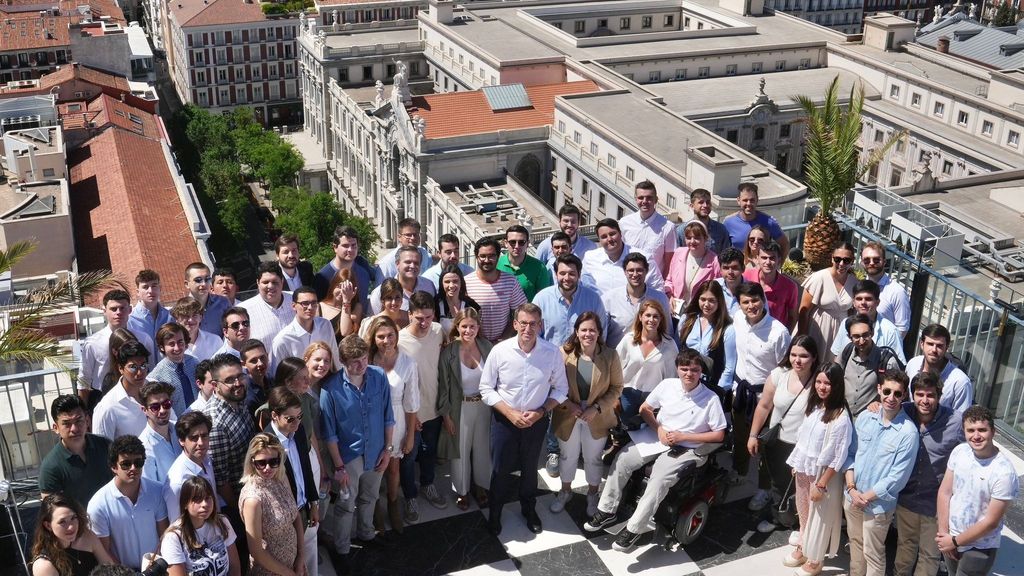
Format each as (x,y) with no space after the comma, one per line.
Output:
(529,271)
(77,465)
(158,437)
(781,292)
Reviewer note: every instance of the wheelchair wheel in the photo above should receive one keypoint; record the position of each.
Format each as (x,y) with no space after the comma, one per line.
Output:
(691,522)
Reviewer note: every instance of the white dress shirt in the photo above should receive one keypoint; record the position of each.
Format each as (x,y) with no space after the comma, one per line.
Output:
(421,284)
(759,348)
(608,277)
(182,470)
(118,414)
(654,237)
(227,349)
(524,380)
(293,460)
(293,341)
(205,346)
(645,373)
(96,357)
(265,321)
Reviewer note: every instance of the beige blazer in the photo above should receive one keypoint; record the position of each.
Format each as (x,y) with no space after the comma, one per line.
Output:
(605,390)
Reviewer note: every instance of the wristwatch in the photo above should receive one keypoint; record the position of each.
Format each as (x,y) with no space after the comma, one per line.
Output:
(390,448)
(955,543)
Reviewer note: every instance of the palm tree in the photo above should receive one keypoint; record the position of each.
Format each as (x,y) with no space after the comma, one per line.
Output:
(832,164)
(21,339)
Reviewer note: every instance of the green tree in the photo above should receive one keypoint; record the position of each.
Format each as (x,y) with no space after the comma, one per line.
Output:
(235,213)
(23,340)
(1005,15)
(313,217)
(832,164)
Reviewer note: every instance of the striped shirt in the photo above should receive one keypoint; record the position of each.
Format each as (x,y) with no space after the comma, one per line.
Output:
(265,320)
(497,302)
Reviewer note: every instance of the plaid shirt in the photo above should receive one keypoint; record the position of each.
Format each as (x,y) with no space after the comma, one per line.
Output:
(233,428)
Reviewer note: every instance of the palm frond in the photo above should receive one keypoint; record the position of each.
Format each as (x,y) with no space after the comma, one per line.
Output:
(14,254)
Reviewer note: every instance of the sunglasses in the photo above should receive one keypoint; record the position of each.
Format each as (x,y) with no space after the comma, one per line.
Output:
(239,324)
(263,463)
(136,368)
(516,242)
(203,279)
(290,419)
(840,260)
(896,393)
(156,406)
(872,260)
(126,465)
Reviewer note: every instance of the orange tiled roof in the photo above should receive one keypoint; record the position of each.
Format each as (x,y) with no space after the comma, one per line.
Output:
(24,31)
(110,111)
(125,208)
(214,12)
(463,113)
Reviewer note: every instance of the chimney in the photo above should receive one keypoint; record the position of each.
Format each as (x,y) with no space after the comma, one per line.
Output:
(943,45)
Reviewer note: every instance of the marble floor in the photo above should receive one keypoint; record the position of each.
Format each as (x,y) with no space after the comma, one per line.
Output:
(452,541)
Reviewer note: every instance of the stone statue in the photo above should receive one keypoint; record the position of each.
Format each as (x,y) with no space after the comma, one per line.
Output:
(972,11)
(379,100)
(937,14)
(401,91)
(421,125)
(762,83)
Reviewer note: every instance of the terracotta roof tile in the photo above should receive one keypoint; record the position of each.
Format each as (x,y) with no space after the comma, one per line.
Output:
(463,113)
(214,12)
(125,209)
(22,31)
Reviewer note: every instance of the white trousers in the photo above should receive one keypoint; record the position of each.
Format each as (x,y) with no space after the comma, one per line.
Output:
(663,477)
(581,440)
(473,466)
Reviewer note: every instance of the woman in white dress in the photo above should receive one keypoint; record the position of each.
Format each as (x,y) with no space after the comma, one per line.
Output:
(382,336)
(828,295)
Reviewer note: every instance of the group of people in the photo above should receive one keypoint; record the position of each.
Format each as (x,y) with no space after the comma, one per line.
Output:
(230,437)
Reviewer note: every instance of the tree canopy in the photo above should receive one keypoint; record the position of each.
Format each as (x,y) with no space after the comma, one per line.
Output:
(313,218)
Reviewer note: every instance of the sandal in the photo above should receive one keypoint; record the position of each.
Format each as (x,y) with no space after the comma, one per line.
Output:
(481,498)
(794,559)
(462,502)
(803,571)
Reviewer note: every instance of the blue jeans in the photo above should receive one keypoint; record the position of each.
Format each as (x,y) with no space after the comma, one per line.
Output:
(630,401)
(424,451)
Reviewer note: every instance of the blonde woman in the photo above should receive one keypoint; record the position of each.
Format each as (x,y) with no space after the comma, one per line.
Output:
(647,356)
(273,525)
(319,359)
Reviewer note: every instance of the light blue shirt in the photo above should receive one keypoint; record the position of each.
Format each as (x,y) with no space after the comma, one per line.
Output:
(167,372)
(388,268)
(701,342)
(434,273)
(886,334)
(160,453)
(356,419)
(957,389)
(579,248)
(560,315)
(213,314)
(130,527)
(731,302)
(882,457)
(622,311)
(140,320)
(894,304)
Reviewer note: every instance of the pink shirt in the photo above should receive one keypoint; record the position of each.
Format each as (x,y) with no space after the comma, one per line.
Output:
(783,296)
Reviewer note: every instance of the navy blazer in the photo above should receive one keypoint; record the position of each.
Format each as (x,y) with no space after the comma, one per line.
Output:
(302,445)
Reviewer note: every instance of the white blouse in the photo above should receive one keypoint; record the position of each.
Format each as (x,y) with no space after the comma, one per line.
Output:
(821,445)
(644,374)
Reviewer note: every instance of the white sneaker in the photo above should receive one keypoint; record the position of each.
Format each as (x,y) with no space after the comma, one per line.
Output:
(553,465)
(759,501)
(558,504)
(766,527)
(592,500)
(794,538)
(435,499)
(412,511)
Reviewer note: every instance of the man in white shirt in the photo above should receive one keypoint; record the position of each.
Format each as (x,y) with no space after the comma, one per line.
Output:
(408,259)
(120,411)
(305,329)
(523,380)
(235,326)
(193,431)
(422,341)
(957,389)
(648,232)
(865,301)
(158,436)
(271,309)
(568,222)
(689,415)
(623,302)
(96,350)
(296,272)
(409,235)
(761,344)
(448,248)
(198,282)
(601,266)
(204,383)
(893,302)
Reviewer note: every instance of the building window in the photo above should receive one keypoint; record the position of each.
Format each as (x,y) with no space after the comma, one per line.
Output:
(654,76)
(630,173)
(700,25)
(686,23)
(593,148)
(600,200)
(784,130)
(895,178)
(577,137)
(730,70)
(555,24)
(915,100)
(947,167)
(704,72)
(611,160)
(732,136)
(986,128)
(585,187)
(755,68)
(900,144)
(680,73)
(939,110)
(805,63)
(48,173)
(561,126)
(894,91)
(367,72)
(962,117)
(920,156)
(879,136)
(759,133)
(568,176)
(646,21)
(602,23)
(1013,138)
(780,65)
(624,23)
(670,201)
(580,26)
(669,20)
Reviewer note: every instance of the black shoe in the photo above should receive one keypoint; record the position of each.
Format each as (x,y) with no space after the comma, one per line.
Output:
(532,521)
(600,521)
(340,561)
(494,523)
(625,541)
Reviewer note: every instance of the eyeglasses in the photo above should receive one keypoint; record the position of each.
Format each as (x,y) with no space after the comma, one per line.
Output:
(840,260)
(239,324)
(126,465)
(860,336)
(156,406)
(533,324)
(516,242)
(290,419)
(264,462)
(239,380)
(872,260)
(307,303)
(136,368)
(894,392)
(203,279)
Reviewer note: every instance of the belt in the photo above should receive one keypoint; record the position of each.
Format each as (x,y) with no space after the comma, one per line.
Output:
(473,398)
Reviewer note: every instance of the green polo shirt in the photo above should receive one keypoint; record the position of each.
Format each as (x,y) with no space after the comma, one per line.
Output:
(532,275)
(62,471)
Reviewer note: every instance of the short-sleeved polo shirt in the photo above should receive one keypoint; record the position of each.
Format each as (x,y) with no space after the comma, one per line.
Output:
(64,472)
(131,526)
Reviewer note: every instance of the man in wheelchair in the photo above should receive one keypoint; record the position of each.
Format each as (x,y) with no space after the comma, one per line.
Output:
(689,415)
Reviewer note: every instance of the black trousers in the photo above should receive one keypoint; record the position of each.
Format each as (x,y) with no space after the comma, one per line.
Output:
(514,449)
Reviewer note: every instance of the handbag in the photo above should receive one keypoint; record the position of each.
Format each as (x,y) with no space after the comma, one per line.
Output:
(771,435)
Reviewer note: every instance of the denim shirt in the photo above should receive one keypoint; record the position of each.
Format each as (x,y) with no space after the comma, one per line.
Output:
(882,457)
(560,315)
(357,419)
(935,444)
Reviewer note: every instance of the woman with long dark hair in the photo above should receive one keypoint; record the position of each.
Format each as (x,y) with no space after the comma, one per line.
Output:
(64,545)
(451,297)
(200,542)
(783,403)
(821,449)
(341,305)
(708,329)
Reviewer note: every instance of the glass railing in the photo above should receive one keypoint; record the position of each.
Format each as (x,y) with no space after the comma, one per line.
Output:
(26,429)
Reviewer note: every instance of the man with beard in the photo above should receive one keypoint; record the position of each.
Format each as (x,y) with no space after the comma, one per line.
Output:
(562,303)
(158,437)
(497,292)
(864,363)
(529,271)
(893,302)
(296,272)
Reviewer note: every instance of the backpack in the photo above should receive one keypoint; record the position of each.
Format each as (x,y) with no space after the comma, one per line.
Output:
(888,355)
